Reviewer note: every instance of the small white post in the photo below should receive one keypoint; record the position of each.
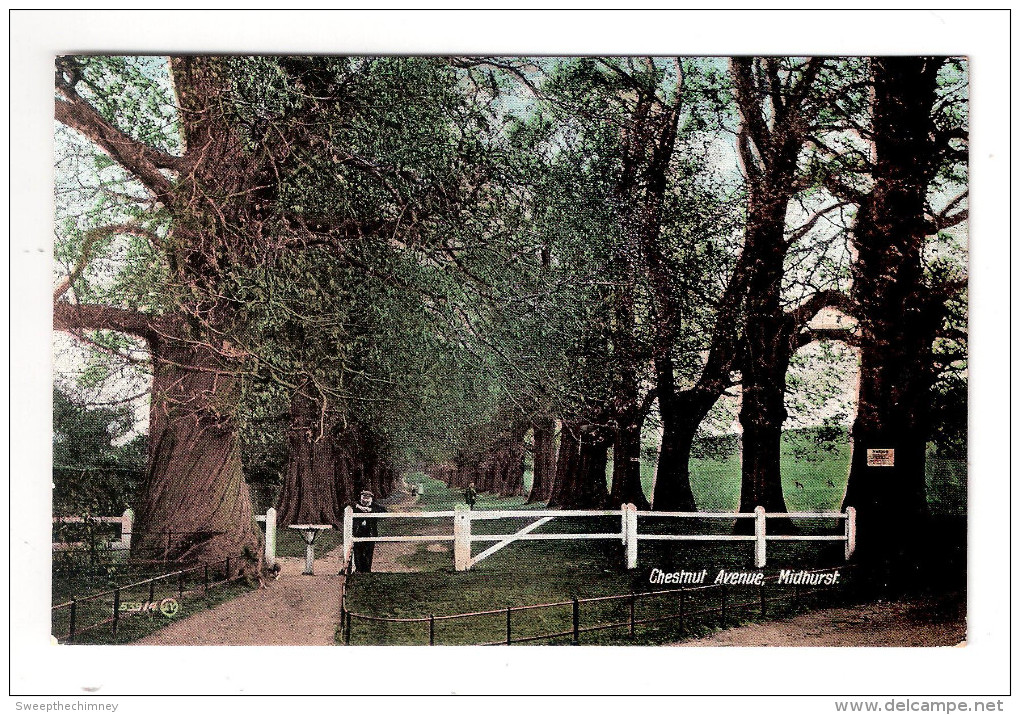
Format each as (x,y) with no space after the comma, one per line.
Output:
(759,536)
(309,537)
(461,538)
(270,537)
(631,530)
(623,524)
(127,521)
(851,531)
(348,539)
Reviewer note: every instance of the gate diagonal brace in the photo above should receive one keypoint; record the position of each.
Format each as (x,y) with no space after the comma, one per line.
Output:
(511,538)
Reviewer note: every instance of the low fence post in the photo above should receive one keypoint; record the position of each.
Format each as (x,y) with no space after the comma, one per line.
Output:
(432,629)
(577,621)
(116,610)
(623,525)
(632,538)
(851,532)
(74,615)
(508,625)
(759,536)
(127,521)
(461,538)
(633,603)
(348,539)
(270,537)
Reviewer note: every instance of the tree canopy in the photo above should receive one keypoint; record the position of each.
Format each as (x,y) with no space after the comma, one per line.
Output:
(325,272)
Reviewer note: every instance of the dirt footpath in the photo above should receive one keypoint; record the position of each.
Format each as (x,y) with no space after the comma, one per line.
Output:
(292,610)
(918,622)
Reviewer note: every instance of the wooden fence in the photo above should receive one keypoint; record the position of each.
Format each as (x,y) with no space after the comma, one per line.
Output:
(124,521)
(82,614)
(462,534)
(728,604)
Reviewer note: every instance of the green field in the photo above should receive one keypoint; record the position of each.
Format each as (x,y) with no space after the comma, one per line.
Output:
(553,571)
(90,613)
(533,572)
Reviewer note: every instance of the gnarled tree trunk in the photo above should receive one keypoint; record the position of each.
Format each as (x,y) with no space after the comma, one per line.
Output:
(900,319)
(581,467)
(316,485)
(544,459)
(195,503)
(195,500)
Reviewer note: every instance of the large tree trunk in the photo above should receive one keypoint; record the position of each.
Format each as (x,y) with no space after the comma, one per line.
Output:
(899,321)
(195,504)
(763,378)
(511,478)
(626,482)
(770,169)
(681,414)
(767,343)
(581,468)
(315,488)
(544,460)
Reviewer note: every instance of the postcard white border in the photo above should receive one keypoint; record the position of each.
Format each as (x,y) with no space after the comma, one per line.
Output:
(37,667)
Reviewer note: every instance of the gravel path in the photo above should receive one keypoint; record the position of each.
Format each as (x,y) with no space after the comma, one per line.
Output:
(291,610)
(917,622)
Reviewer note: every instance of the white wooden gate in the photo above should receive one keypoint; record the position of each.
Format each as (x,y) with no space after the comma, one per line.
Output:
(463,535)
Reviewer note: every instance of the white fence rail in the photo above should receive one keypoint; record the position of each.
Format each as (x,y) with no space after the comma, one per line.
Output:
(463,536)
(123,544)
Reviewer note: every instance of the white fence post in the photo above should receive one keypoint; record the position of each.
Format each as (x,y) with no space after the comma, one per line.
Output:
(127,521)
(270,537)
(461,538)
(631,530)
(759,536)
(348,539)
(851,532)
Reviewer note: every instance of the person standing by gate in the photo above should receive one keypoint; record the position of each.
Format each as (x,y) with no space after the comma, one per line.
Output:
(364,551)
(470,495)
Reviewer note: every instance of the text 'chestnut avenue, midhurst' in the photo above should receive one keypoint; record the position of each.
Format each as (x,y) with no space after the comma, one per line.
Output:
(789,577)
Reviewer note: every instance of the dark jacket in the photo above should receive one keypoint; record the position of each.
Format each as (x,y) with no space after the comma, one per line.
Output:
(367,527)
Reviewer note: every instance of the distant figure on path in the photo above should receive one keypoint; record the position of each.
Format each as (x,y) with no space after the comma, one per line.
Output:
(364,551)
(470,495)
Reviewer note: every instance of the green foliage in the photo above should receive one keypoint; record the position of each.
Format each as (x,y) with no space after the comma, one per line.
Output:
(474,240)
(93,475)
(132,93)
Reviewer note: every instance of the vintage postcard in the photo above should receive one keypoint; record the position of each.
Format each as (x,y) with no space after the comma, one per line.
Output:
(362,350)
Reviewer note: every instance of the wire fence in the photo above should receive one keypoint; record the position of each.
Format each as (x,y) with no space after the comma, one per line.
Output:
(109,542)
(83,614)
(569,619)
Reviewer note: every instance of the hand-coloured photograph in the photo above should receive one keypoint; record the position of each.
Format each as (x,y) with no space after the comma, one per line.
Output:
(430,350)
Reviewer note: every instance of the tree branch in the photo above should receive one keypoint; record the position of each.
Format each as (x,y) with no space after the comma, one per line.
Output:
(68,317)
(137,158)
(807,310)
(750,110)
(806,227)
(91,238)
(811,335)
